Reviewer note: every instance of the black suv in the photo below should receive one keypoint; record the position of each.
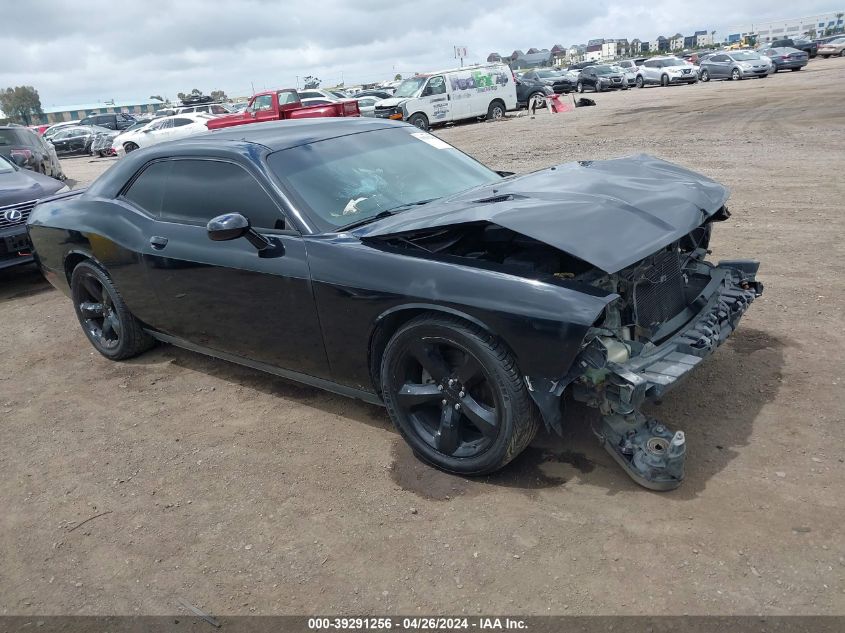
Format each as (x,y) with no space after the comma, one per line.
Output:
(117,121)
(811,48)
(26,149)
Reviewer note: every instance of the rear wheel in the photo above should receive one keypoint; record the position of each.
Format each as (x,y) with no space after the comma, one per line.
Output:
(842,53)
(130,147)
(579,88)
(105,319)
(705,76)
(419,120)
(495,111)
(640,83)
(774,68)
(456,396)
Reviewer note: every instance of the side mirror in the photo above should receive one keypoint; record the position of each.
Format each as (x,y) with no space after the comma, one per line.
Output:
(231,226)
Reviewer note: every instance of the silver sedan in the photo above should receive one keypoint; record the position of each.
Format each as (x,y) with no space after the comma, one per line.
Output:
(734,65)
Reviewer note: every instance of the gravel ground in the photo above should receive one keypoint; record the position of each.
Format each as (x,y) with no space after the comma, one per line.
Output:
(242,493)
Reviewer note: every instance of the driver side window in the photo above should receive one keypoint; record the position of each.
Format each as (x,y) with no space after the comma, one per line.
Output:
(436,86)
(262,103)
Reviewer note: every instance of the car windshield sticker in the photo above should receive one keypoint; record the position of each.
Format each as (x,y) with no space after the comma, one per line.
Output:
(425,137)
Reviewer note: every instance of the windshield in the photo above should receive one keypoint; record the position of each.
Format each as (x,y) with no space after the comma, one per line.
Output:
(837,41)
(352,178)
(409,87)
(5,166)
(546,73)
(604,70)
(665,63)
(744,56)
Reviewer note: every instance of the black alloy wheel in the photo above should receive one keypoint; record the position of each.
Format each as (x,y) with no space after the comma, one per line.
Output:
(104,317)
(455,395)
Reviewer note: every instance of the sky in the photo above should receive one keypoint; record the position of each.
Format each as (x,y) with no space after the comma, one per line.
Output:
(87,52)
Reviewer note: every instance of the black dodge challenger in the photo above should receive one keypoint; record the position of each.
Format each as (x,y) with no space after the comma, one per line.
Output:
(376,261)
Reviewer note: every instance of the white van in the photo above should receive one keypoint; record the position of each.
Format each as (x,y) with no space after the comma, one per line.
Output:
(485,90)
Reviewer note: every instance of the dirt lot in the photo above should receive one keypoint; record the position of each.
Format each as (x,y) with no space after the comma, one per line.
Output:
(242,493)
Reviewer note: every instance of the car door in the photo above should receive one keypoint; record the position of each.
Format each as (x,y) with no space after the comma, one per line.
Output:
(158,132)
(182,127)
(439,103)
(226,296)
(261,108)
(651,71)
(718,66)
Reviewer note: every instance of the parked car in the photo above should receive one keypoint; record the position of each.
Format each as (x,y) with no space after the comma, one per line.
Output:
(487,90)
(119,121)
(317,93)
(559,82)
(630,75)
(786,58)
(528,89)
(208,108)
(381,94)
(601,78)
(833,47)
(630,67)
(286,103)
(20,189)
(367,104)
(50,131)
(734,65)
(809,47)
(30,151)
(467,302)
(663,71)
(76,139)
(824,40)
(103,143)
(160,130)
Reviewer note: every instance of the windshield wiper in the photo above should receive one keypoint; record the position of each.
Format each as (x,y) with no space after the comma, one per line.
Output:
(384,214)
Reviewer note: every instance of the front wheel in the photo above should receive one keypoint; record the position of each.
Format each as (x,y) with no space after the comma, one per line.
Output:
(103,315)
(774,69)
(454,393)
(664,80)
(579,88)
(736,75)
(842,53)
(495,111)
(130,147)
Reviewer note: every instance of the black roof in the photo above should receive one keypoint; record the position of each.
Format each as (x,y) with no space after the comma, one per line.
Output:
(277,135)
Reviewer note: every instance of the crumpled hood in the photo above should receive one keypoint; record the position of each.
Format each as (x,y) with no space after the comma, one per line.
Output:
(391,102)
(609,213)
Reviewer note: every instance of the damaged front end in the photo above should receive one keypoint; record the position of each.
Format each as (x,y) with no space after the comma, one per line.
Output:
(674,309)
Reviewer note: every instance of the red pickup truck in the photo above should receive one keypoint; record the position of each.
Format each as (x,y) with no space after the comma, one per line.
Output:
(277,105)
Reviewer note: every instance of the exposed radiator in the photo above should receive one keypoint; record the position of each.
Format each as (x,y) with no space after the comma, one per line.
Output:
(659,294)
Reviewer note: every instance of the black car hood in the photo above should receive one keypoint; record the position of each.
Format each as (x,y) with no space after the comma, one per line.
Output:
(609,213)
(23,185)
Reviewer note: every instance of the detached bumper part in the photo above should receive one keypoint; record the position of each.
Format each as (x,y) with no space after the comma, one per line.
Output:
(646,449)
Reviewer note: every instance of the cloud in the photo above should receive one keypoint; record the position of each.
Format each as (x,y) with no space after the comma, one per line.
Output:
(98,51)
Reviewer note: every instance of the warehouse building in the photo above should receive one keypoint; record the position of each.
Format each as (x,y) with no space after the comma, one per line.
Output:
(57,114)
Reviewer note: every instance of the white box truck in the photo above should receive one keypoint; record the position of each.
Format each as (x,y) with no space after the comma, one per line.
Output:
(487,90)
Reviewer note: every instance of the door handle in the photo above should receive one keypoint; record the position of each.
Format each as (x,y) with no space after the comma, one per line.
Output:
(158,242)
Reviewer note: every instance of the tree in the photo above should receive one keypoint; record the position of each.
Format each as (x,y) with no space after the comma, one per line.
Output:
(159,97)
(21,104)
(219,95)
(312,82)
(398,77)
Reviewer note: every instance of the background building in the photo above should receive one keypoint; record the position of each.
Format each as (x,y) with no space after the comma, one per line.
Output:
(57,114)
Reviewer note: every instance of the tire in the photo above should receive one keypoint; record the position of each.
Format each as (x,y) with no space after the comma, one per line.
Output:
(774,69)
(540,99)
(664,80)
(597,87)
(579,88)
(842,53)
(736,75)
(495,111)
(419,120)
(705,76)
(130,147)
(107,322)
(462,359)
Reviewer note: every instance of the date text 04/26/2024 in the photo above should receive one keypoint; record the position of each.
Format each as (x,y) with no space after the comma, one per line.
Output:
(416,624)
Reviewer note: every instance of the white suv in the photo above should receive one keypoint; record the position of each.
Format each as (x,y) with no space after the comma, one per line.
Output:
(663,71)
